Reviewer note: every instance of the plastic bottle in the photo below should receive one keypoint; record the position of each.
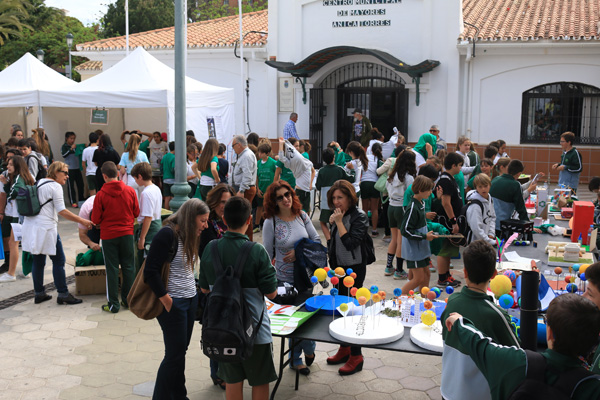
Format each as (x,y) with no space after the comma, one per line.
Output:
(589,235)
(579,240)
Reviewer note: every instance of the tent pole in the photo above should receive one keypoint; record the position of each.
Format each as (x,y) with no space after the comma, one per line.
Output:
(243,85)
(25,121)
(181,188)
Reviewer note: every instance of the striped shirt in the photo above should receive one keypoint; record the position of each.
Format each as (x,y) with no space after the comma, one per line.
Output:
(181,277)
(289,130)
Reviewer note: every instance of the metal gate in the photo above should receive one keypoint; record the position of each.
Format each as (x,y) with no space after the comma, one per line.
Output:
(316,126)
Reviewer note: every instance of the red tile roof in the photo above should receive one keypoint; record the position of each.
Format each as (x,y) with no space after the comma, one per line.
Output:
(220,32)
(532,19)
(89,66)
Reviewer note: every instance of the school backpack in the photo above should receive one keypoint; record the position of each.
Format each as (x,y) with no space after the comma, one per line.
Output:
(28,202)
(228,330)
(534,387)
(41,172)
(463,227)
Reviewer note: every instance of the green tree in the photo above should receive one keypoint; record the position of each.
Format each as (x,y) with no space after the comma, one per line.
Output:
(202,10)
(144,15)
(51,28)
(12,16)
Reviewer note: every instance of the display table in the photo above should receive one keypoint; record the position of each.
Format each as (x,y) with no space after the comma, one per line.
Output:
(317,329)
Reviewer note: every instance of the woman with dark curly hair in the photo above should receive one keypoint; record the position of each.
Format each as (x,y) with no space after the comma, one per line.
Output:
(349,225)
(284,226)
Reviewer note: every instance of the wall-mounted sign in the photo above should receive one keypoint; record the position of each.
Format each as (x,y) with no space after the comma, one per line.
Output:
(360,12)
(286,94)
(99,117)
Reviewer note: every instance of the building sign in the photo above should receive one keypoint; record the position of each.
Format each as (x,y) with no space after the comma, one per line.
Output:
(360,12)
(99,117)
(286,94)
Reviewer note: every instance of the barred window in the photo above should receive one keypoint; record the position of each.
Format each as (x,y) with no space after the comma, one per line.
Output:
(549,110)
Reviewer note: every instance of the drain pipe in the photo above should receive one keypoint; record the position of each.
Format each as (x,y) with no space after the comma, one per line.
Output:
(469,84)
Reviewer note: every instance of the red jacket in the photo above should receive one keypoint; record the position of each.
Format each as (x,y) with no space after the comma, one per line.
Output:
(115,209)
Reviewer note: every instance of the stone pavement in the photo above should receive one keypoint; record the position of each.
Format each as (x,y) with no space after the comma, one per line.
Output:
(79,352)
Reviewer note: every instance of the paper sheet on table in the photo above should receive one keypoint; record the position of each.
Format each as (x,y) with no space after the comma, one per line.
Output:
(513,256)
(285,324)
(278,309)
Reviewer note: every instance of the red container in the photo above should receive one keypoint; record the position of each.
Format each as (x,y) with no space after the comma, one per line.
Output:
(566,212)
(583,217)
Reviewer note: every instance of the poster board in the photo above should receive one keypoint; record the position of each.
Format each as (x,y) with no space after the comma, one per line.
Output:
(99,117)
(286,94)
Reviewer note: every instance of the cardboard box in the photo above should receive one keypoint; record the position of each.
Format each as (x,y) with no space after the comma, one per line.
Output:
(583,217)
(566,212)
(90,280)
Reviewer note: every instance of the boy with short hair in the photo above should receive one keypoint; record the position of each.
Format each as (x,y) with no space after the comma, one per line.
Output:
(451,206)
(33,159)
(115,208)
(594,187)
(592,293)
(570,164)
(461,379)
(327,176)
(149,220)
(482,220)
(507,195)
(72,160)
(258,280)
(572,329)
(168,168)
(223,163)
(88,165)
(265,174)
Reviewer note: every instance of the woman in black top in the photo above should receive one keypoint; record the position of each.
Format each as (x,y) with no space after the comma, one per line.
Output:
(216,199)
(180,298)
(104,153)
(349,225)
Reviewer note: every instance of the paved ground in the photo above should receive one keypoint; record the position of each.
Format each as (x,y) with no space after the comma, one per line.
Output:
(78,352)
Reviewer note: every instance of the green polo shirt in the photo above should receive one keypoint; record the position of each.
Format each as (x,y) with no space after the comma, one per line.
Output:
(572,161)
(341,158)
(286,174)
(506,188)
(505,368)
(265,173)
(168,164)
(408,195)
(258,271)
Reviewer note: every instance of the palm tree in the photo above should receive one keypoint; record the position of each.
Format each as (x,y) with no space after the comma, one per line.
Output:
(12,13)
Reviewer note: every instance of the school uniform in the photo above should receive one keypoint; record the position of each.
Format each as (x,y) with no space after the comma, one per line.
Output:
(507,196)
(415,247)
(569,177)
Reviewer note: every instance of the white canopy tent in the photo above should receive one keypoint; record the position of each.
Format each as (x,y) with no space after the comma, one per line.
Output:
(141,81)
(21,82)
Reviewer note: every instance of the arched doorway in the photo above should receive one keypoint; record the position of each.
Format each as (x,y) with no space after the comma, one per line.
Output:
(379,91)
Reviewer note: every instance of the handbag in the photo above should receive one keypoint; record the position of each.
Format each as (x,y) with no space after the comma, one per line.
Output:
(380,185)
(141,299)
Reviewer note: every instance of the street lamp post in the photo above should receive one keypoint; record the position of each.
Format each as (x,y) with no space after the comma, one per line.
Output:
(40,55)
(69,45)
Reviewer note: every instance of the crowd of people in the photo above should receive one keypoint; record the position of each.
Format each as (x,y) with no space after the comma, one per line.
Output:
(413,194)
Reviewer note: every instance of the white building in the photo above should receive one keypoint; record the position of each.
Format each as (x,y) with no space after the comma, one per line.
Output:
(533,72)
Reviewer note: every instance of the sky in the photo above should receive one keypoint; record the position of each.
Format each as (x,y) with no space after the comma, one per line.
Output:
(87,11)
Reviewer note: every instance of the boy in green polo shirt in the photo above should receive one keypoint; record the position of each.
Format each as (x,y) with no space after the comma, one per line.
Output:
(258,280)
(508,196)
(264,177)
(570,165)
(573,326)
(168,169)
(461,379)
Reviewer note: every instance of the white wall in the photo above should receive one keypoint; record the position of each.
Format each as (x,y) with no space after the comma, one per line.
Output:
(499,80)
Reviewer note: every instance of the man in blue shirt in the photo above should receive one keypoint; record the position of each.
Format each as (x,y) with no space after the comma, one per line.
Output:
(289,130)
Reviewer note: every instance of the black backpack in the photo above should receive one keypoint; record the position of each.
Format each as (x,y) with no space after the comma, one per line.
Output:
(228,330)
(534,387)
(463,227)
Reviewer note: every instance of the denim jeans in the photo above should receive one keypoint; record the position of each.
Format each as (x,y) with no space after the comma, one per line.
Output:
(58,271)
(308,346)
(177,326)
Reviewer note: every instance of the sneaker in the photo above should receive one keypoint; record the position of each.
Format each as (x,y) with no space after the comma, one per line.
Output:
(387,238)
(256,229)
(374,233)
(124,305)
(106,308)
(400,275)
(69,299)
(7,278)
(450,281)
(388,271)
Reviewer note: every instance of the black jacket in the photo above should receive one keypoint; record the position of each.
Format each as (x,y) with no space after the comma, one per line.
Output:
(354,238)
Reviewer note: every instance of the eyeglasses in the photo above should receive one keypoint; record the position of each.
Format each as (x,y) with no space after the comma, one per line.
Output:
(287,195)
(234,144)
(433,130)
(65,172)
